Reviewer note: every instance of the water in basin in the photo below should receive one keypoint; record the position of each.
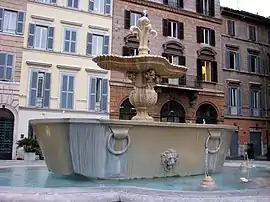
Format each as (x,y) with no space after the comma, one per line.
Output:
(229,179)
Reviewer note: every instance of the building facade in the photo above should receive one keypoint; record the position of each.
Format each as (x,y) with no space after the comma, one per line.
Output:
(245,57)
(12,15)
(59,78)
(189,33)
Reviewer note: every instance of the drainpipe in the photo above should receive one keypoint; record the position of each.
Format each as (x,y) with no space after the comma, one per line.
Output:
(266,102)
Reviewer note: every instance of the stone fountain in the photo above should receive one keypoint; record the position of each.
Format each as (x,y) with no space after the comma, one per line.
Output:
(137,148)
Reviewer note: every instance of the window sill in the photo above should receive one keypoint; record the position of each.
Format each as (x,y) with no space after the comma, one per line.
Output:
(99,13)
(209,82)
(245,72)
(69,53)
(11,34)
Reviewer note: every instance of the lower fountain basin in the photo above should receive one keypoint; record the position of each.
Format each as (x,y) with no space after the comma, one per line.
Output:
(120,149)
(22,181)
(40,177)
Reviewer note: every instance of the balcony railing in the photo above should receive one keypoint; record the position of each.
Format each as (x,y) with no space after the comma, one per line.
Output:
(187,81)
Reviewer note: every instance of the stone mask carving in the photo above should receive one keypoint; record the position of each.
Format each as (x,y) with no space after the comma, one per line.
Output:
(169,159)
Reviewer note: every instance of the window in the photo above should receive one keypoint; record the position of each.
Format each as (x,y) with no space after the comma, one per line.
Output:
(232,60)
(67,91)
(254,63)
(252,33)
(235,100)
(70,41)
(40,37)
(98,94)
(256,100)
(100,6)
(231,27)
(131,18)
(11,21)
(173,29)
(48,1)
(6,66)
(130,51)
(40,87)
(97,44)
(207,71)
(173,51)
(174,3)
(73,3)
(206,36)
(205,7)
(134,17)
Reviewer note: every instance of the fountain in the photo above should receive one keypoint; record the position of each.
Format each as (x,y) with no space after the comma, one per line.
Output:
(137,148)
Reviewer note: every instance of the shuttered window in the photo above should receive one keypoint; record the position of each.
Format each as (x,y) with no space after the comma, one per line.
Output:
(173,29)
(40,88)
(207,71)
(67,91)
(98,94)
(11,21)
(97,44)
(206,36)
(40,37)
(206,7)
(100,6)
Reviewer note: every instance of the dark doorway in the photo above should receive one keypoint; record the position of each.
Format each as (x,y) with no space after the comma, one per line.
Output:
(172,111)
(234,144)
(255,139)
(6,133)
(207,113)
(127,110)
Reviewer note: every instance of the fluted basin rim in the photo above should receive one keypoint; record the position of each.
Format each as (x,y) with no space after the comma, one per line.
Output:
(133,123)
(139,63)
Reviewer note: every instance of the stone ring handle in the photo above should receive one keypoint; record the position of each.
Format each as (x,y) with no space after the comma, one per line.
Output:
(111,149)
(213,151)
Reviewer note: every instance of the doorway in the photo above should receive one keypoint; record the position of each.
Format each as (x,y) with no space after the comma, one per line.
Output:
(6,133)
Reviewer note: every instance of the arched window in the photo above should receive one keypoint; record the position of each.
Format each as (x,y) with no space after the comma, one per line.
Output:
(172,111)
(131,46)
(206,65)
(127,110)
(173,51)
(207,114)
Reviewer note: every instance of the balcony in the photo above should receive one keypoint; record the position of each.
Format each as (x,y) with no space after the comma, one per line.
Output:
(187,81)
(188,84)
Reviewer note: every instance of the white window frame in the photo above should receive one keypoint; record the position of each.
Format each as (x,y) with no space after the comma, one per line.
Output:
(256,96)
(60,88)
(35,37)
(256,63)
(172,29)
(8,23)
(37,69)
(100,76)
(73,4)
(97,35)
(206,36)
(210,68)
(205,7)
(137,17)
(63,40)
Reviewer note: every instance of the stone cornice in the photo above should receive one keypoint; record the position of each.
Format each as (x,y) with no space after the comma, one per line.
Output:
(167,8)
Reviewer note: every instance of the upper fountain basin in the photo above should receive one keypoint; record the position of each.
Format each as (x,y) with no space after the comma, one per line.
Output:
(137,64)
